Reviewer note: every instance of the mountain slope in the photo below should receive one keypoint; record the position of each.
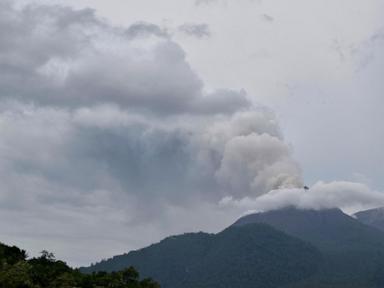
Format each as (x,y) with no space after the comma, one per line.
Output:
(253,255)
(372,217)
(328,229)
(353,252)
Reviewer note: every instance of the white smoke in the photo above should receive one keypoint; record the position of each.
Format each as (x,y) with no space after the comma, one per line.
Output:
(349,196)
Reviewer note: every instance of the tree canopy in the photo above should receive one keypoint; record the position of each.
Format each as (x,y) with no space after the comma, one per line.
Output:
(16,271)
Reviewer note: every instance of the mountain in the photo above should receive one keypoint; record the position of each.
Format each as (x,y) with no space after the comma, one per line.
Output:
(329,229)
(254,255)
(372,217)
(288,248)
(353,252)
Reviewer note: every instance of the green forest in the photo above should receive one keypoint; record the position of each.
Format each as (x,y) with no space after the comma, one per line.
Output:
(17,271)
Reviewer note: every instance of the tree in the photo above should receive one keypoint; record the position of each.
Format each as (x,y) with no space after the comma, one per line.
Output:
(47,272)
(47,256)
(17,276)
(149,283)
(130,276)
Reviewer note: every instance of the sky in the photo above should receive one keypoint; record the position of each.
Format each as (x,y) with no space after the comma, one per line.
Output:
(123,122)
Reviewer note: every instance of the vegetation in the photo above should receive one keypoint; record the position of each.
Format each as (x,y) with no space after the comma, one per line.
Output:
(353,253)
(16,271)
(251,256)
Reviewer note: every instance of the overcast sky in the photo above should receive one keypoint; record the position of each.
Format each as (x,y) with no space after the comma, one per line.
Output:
(122,122)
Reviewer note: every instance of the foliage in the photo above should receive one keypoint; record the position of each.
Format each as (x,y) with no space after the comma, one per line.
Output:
(47,272)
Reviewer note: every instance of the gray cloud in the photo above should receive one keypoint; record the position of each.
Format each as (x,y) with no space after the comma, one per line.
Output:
(145,29)
(195,30)
(267,18)
(207,2)
(200,2)
(71,58)
(109,130)
(369,50)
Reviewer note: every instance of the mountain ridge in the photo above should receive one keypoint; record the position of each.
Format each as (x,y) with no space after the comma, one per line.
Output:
(341,252)
(236,256)
(327,229)
(372,217)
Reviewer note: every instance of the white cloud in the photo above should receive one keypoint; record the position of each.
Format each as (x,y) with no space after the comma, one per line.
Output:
(349,196)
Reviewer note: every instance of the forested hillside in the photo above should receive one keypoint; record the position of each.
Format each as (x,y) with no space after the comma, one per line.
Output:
(16,271)
(353,252)
(250,256)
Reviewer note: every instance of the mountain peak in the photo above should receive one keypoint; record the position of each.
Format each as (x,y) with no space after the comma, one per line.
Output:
(327,229)
(291,213)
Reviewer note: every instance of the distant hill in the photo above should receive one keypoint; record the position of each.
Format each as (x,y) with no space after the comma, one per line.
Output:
(288,248)
(372,217)
(254,255)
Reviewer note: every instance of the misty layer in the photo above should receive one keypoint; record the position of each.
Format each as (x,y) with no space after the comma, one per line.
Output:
(349,196)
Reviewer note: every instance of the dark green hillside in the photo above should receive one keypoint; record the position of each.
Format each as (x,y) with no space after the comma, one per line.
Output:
(250,256)
(10,255)
(170,259)
(257,256)
(330,230)
(353,252)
